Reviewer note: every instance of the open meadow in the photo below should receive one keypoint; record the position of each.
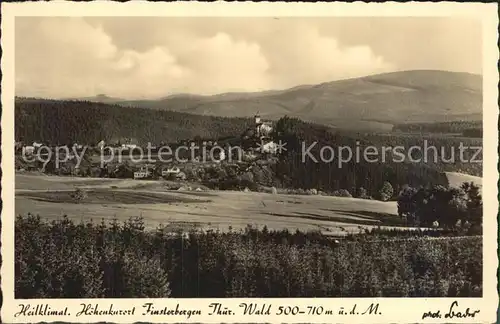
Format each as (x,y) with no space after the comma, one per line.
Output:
(456,179)
(49,196)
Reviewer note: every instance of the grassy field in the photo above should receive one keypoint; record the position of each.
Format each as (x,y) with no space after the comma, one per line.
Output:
(49,196)
(456,179)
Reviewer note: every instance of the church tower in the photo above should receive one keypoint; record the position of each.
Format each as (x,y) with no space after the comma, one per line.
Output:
(257,119)
(257,124)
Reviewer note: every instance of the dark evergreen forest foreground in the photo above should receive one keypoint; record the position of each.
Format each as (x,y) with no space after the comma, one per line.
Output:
(62,259)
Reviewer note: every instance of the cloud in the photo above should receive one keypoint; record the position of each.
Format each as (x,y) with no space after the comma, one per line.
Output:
(76,57)
(221,64)
(60,55)
(311,58)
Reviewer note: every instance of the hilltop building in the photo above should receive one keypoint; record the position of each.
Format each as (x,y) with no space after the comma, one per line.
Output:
(262,128)
(262,134)
(258,137)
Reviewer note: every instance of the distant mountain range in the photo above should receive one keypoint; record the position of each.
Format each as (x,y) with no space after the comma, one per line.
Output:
(381,100)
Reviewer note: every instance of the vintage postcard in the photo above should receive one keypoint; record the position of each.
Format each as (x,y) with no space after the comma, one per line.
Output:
(249,162)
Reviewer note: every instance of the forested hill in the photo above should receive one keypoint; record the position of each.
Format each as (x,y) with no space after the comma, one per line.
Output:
(65,122)
(447,127)
(298,169)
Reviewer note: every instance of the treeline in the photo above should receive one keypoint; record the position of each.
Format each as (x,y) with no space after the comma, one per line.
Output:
(62,259)
(298,170)
(448,208)
(467,128)
(62,122)
(473,132)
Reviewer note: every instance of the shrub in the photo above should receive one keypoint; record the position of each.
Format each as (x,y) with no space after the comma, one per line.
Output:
(406,202)
(79,195)
(474,203)
(342,193)
(386,192)
(363,194)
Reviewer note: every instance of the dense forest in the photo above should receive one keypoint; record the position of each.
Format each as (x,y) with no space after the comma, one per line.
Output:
(438,152)
(467,128)
(296,170)
(66,122)
(63,259)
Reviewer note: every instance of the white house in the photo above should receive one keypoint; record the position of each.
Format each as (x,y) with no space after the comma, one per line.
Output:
(28,150)
(37,145)
(142,173)
(101,144)
(129,146)
(222,156)
(269,147)
(169,171)
(77,146)
(264,129)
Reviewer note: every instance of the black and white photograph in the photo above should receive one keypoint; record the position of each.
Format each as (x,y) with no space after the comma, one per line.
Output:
(216,157)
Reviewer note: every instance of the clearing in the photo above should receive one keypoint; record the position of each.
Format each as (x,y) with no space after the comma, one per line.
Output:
(456,179)
(50,197)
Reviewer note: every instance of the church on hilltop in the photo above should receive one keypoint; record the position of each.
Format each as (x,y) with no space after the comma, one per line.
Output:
(263,128)
(260,135)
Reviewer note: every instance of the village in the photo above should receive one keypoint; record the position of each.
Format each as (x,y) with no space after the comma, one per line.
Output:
(119,158)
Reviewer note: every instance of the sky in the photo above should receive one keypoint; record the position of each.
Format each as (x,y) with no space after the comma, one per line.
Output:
(153,57)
